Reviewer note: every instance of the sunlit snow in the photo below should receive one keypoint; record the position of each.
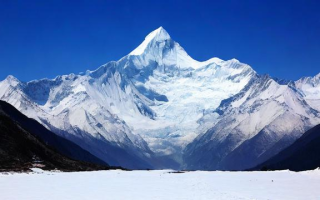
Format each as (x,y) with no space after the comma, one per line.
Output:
(152,185)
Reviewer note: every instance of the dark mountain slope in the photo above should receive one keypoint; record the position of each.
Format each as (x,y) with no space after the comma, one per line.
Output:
(303,154)
(21,149)
(62,145)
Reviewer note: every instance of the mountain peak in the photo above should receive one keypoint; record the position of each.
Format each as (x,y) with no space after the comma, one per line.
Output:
(159,35)
(12,80)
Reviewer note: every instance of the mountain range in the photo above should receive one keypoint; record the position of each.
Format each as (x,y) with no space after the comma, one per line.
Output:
(159,108)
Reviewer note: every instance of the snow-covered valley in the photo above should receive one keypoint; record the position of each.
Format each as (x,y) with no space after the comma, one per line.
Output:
(162,184)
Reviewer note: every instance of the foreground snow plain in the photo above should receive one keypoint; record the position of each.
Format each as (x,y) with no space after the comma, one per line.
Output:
(162,184)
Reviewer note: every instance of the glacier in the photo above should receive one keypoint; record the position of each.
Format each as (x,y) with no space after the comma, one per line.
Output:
(159,108)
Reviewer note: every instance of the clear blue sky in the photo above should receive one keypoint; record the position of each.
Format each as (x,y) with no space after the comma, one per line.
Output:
(48,38)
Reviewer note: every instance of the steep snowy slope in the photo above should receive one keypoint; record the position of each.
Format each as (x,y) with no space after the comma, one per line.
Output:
(310,87)
(253,125)
(157,94)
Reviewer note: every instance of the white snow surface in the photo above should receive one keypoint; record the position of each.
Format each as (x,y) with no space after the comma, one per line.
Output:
(152,185)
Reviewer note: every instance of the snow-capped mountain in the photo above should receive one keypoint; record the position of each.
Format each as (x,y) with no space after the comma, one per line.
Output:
(178,90)
(143,110)
(253,125)
(157,94)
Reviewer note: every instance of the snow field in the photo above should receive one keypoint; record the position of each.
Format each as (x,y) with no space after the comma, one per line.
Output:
(162,184)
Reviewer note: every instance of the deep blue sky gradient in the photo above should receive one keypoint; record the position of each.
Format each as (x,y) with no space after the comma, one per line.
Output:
(41,39)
